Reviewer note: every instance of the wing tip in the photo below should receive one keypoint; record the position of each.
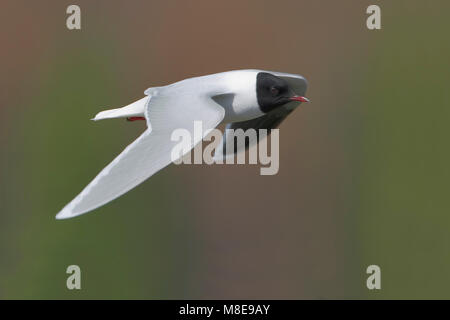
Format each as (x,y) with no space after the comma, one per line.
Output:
(66,213)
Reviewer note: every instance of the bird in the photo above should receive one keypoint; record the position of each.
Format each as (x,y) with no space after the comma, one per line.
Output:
(242,99)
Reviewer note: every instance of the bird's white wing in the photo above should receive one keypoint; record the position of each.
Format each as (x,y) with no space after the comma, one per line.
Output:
(150,152)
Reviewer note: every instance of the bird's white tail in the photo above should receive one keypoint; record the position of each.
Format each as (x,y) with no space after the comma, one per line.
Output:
(136,109)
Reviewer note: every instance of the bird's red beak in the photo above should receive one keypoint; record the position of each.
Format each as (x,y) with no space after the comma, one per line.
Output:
(299,98)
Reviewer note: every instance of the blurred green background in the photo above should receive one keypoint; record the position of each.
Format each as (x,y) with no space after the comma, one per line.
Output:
(364,169)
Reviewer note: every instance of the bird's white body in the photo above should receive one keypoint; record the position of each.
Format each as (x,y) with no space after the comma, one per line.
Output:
(239,85)
(229,97)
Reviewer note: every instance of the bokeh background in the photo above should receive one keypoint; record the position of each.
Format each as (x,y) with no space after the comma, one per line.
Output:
(364,169)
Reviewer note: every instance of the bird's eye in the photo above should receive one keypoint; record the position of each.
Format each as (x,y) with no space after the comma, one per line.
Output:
(274,91)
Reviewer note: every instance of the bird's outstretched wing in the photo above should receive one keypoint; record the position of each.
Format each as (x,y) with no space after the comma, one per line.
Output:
(268,121)
(150,152)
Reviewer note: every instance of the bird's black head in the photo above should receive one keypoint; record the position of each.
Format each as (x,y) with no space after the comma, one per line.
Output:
(272,92)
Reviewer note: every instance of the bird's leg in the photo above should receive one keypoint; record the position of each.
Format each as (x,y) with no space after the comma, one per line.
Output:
(135,118)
